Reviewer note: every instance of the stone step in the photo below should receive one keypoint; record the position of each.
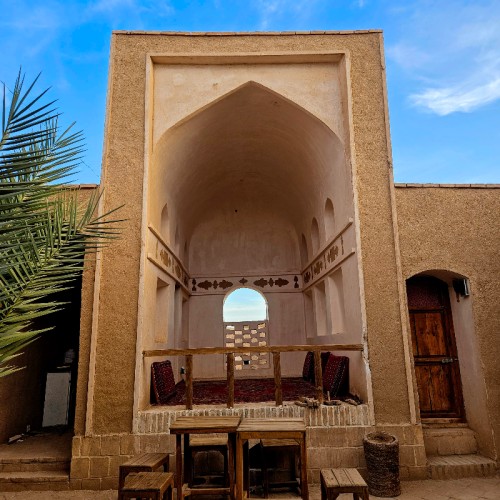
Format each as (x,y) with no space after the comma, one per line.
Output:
(34,464)
(446,441)
(34,481)
(457,466)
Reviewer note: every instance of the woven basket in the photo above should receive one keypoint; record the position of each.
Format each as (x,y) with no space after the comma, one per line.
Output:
(382,462)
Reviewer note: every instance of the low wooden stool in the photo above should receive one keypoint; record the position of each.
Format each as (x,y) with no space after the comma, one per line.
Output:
(337,481)
(153,485)
(275,444)
(208,443)
(146,462)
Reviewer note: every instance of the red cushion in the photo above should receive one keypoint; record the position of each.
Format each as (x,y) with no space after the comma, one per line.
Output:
(336,376)
(308,370)
(162,379)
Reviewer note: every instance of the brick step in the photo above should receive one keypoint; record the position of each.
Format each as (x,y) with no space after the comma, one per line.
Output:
(458,466)
(445,441)
(34,481)
(34,464)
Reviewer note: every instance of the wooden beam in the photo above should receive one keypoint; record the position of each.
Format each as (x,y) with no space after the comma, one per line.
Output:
(276,348)
(230,379)
(189,382)
(278,394)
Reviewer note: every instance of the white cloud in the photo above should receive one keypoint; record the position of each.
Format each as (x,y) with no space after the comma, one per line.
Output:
(451,50)
(466,98)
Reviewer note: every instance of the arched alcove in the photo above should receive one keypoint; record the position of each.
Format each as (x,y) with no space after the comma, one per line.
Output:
(251,154)
(314,236)
(243,176)
(304,254)
(329,219)
(164,224)
(176,240)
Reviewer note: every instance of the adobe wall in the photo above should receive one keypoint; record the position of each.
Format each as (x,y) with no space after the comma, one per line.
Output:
(334,436)
(113,350)
(456,229)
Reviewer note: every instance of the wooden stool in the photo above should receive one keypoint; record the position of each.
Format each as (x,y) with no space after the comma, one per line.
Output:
(208,443)
(337,481)
(153,485)
(146,462)
(275,444)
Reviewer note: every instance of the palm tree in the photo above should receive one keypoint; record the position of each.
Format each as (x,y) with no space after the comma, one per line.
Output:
(44,232)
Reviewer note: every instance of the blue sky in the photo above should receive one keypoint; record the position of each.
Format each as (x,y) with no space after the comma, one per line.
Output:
(443,66)
(245,304)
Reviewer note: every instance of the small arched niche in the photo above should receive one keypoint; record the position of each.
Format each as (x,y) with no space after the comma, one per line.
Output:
(176,240)
(164,224)
(329,219)
(315,236)
(304,254)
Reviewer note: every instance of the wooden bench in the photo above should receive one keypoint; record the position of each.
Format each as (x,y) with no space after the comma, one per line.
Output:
(151,485)
(208,443)
(273,445)
(146,462)
(337,481)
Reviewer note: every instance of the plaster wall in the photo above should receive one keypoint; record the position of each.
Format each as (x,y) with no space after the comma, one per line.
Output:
(454,231)
(124,152)
(245,237)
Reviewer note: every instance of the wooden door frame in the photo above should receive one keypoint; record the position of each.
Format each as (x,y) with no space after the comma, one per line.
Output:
(447,315)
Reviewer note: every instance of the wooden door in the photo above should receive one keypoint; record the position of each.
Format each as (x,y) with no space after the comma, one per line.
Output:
(434,349)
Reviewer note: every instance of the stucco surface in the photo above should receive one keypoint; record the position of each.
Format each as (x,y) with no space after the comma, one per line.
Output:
(458,230)
(123,169)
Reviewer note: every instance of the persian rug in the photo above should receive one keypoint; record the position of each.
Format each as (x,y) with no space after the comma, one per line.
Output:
(211,392)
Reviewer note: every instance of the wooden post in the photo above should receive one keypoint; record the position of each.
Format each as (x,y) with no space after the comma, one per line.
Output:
(318,376)
(189,382)
(278,395)
(230,379)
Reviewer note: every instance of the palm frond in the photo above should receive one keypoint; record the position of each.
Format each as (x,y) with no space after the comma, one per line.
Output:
(44,231)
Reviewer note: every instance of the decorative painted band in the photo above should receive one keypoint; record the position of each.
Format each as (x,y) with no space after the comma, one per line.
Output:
(268,283)
(160,254)
(329,258)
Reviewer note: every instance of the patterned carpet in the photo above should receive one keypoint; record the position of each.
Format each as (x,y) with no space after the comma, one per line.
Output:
(245,391)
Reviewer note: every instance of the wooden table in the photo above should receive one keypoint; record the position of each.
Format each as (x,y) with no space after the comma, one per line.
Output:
(271,428)
(202,425)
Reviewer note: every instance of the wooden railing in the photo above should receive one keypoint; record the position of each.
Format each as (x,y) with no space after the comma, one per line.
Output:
(231,351)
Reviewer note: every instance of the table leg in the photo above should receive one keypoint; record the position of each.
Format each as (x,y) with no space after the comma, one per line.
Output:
(304,490)
(231,439)
(188,467)
(239,468)
(178,466)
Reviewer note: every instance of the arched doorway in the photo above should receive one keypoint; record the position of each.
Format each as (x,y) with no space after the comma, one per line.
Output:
(434,349)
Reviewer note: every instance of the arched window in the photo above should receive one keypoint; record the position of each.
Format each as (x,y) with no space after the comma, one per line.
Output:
(245,304)
(245,325)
